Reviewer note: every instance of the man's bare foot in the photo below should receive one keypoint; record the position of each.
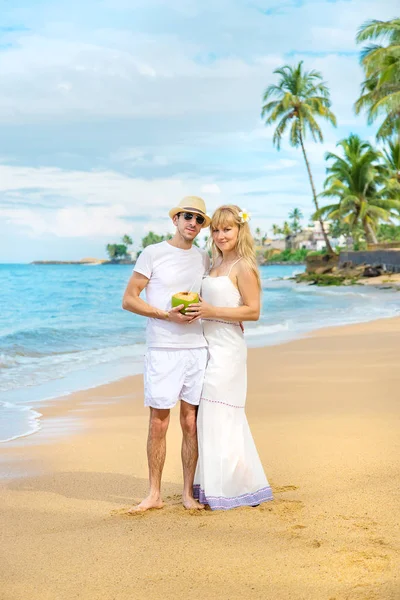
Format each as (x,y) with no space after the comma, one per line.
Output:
(147,504)
(190,503)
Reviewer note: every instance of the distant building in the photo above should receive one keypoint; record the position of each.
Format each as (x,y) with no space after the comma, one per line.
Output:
(275,245)
(312,238)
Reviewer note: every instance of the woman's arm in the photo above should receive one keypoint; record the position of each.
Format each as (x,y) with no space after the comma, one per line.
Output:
(250,309)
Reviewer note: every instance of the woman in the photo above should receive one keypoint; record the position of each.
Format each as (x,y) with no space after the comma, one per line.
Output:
(229,472)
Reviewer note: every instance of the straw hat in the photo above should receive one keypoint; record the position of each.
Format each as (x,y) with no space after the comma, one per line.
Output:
(192,204)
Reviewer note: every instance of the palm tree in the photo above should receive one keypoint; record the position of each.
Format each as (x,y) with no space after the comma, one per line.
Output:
(298,99)
(127,240)
(357,181)
(286,229)
(276,230)
(380,92)
(392,162)
(152,238)
(111,250)
(296,215)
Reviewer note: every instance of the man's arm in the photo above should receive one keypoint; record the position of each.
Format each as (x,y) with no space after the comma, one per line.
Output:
(132,302)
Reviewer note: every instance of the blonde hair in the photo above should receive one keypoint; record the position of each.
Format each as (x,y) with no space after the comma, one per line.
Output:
(229,215)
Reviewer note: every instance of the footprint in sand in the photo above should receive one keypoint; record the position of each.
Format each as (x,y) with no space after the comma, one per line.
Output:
(124,512)
(358,522)
(175,497)
(284,509)
(379,542)
(285,488)
(295,530)
(370,560)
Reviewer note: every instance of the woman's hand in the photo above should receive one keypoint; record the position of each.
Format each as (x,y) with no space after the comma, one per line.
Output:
(202,310)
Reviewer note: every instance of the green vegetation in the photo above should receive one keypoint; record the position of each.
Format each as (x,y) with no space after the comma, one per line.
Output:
(388,233)
(380,92)
(127,240)
(323,279)
(295,217)
(391,156)
(357,180)
(363,181)
(296,102)
(154,238)
(289,227)
(298,256)
(119,251)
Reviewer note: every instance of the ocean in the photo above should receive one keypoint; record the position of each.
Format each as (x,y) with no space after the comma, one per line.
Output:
(62,329)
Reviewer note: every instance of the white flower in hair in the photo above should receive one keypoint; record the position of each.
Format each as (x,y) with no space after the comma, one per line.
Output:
(244,215)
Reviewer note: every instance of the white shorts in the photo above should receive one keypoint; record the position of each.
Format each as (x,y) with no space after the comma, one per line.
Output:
(173,374)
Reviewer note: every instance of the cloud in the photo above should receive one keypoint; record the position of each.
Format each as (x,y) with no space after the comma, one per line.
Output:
(210,188)
(100,204)
(282,163)
(113,111)
(334,38)
(108,72)
(149,79)
(69,222)
(139,157)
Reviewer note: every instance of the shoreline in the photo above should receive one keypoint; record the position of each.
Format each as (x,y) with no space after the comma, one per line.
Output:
(38,408)
(325,416)
(58,405)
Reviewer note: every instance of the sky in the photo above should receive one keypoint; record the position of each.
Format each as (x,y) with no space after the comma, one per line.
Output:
(111,111)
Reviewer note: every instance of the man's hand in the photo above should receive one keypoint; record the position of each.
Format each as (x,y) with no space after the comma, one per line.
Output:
(177,317)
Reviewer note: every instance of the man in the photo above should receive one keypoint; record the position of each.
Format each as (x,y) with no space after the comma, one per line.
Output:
(176,354)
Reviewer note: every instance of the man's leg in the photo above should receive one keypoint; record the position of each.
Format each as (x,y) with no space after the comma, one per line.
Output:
(156,449)
(189,453)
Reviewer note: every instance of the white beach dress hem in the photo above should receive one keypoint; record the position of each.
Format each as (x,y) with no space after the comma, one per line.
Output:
(221,503)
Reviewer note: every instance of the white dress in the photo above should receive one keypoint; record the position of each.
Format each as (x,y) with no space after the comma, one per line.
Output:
(229,472)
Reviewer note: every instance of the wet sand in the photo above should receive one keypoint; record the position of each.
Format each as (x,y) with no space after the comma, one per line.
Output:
(324,412)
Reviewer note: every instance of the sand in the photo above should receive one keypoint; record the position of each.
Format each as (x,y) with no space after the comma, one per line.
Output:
(387,280)
(324,412)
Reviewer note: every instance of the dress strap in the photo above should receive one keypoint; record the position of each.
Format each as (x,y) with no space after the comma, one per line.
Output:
(236,261)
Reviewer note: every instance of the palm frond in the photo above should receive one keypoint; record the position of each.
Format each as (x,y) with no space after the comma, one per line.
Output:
(279,131)
(299,95)
(374,29)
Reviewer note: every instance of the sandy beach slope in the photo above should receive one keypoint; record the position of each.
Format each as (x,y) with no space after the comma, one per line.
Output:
(324,412)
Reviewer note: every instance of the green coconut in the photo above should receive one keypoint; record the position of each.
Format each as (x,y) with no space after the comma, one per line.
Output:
(184,298)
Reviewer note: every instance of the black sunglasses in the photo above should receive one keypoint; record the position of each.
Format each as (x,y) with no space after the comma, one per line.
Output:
(188,216)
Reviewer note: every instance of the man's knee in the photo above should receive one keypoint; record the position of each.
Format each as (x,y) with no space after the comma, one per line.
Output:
(159,421)
(188,419)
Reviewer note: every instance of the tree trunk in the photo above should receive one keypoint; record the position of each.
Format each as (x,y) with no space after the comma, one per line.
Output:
(327,242)
(370,233)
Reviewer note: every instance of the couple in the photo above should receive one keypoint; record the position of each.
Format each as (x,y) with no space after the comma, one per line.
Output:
(221,466)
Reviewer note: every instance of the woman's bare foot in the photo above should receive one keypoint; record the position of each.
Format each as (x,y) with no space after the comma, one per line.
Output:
(147,504)
(190,503)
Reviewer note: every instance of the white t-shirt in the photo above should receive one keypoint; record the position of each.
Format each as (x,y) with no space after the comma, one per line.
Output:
(171,270)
